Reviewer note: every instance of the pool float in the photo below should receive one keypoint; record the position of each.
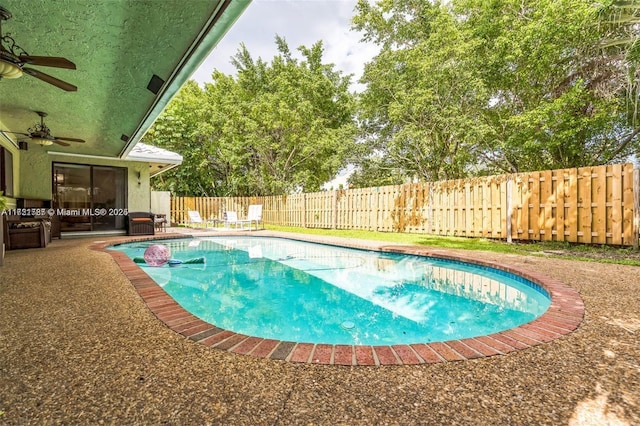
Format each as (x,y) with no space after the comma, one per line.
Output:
(194,261)
(157,255)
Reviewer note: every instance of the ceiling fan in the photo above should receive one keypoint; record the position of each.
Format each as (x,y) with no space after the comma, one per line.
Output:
(41,134)
(13,59)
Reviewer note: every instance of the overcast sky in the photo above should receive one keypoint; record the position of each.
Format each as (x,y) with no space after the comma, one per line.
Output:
(300,22)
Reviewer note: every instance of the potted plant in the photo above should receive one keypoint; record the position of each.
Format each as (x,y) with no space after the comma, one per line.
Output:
(3,207)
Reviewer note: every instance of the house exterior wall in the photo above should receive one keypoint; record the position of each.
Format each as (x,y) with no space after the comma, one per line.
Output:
(15,152)
(161,203)
(36,165)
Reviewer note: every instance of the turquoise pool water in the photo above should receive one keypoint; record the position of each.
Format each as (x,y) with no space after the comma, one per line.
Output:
(303,292)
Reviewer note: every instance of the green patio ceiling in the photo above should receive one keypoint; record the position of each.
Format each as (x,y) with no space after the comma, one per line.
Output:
(117,46)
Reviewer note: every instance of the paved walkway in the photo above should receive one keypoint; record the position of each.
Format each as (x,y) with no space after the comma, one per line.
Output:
(79,346)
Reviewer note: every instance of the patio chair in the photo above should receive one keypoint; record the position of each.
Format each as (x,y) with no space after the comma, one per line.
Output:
(160,221)
(196,220)
(231,218)
(255,215)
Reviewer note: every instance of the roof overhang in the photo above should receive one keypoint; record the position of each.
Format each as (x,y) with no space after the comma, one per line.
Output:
(118,47)
(160,160)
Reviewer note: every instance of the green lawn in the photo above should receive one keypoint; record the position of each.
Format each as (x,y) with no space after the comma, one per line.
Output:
(592,253)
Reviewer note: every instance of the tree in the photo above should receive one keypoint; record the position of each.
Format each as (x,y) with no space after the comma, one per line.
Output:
(550,104)
(179,129)
(297,119)
(375,170)
(481,86)
(278,127)
(415,106)
(620,23)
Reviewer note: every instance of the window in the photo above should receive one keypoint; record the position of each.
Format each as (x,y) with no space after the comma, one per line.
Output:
(6,172)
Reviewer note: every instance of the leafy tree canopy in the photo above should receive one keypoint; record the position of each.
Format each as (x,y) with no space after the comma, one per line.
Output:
(459,88)
(276,128)
(482,86)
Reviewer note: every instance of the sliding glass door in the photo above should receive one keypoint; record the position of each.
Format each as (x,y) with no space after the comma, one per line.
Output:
(89,198)
(109,195)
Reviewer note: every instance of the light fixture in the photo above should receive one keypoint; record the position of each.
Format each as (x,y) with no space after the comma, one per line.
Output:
(9,52)
(13,59)
(42,141)
(40,133)
(9,70)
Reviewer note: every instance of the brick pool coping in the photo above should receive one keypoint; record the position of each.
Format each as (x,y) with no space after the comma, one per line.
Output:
(563,316)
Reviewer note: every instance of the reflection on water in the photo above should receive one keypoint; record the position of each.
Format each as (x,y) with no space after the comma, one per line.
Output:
(398,283)
(290,290)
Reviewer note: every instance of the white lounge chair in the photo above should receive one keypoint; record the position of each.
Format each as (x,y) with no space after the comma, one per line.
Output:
(231,218)
(196,220)
(255,215)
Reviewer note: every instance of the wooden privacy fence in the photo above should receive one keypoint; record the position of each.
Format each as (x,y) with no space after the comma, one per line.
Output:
(594,205)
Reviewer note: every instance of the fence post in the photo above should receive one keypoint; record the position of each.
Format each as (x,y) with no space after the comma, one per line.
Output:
(636,207)
(304,209)
(334,219)
(430,209)
(509,209)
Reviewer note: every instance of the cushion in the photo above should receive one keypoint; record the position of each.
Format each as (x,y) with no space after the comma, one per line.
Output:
(22,225)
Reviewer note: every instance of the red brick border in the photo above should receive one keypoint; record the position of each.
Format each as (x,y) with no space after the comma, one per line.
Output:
(563,316)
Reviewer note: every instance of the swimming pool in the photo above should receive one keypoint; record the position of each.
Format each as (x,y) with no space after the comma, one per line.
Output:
(274,288)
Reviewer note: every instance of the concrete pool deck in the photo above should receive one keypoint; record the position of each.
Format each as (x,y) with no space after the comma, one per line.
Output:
(78,345)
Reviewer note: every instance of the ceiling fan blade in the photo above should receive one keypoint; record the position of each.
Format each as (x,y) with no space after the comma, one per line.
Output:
(48,61)
(61,143)
(51,80)
(69,139)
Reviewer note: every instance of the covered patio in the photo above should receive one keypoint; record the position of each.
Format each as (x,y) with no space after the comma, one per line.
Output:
(79,346)
(81,82)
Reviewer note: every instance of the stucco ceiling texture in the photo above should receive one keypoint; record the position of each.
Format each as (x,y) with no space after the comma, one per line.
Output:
(117,47)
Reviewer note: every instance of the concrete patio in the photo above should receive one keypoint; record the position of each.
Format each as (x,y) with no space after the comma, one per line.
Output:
(79,346)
